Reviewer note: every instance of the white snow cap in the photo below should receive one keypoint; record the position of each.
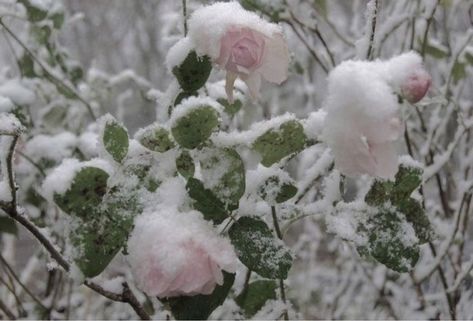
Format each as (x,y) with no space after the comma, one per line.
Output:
(240,42)
(362,121)
(174,253)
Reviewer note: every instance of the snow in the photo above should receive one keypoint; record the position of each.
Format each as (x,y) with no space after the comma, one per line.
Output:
(208,24)
(224,139)
(51,147)
(6,105)
(314,124)
(10,125)
(17,92)
(178,53)
(60,179)
(193,103)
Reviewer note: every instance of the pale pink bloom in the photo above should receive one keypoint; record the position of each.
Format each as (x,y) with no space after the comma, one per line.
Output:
(362,122)
(174,254)
(240,42)
(250,55)
(416,85)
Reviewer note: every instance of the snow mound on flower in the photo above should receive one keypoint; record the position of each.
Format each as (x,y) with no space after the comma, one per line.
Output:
(207,25)
(362,121)
(174,253)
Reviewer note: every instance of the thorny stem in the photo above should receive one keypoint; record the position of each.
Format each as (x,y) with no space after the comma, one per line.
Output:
(281,281)
(48,75)
(11,209)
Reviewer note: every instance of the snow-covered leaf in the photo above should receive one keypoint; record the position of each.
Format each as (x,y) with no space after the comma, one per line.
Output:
(185,164)
(206,202)
(258,249)
(193,72)
(195,127)
(115,140)
(276,144)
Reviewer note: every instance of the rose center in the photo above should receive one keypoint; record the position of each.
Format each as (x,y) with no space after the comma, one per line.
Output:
(245,53)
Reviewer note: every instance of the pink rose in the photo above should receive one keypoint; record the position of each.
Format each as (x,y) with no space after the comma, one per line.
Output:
(250,55)
(240,42)
(416,86)
(175,254)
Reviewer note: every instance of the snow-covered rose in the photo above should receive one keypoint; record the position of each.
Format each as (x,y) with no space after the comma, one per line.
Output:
(173,254)
(362,122)
(240,42)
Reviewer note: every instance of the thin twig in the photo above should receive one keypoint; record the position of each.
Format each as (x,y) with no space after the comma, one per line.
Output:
(373,30)
(281,281)
(184,15)
(48,75)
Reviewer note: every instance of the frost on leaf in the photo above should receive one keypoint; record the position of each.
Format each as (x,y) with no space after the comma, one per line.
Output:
(102,221)
(206,202)
(258,249)
(195,127)
(115,139)
(276,144)
(155,138)
(223,172)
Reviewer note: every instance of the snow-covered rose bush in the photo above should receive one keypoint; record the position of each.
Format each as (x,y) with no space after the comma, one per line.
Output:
(183,188)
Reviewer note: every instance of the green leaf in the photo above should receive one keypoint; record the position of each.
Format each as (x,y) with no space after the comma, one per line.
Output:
(379,193)
(206,202)
(226,171)
(255,296)
(276,144)
(34,13)
(387,241)
(230,109)
(185,164)
(99,240)
(195,127)
(415,215)
(41,34)
(8,225)
(183,95)
(274,190)
(458,71)
(436,51)
(193,72)
(407,180)
(26,64)
(115,140)
(103,220)
(157,139)
(258,250)
(85,194)
(199,307)
(57,19)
